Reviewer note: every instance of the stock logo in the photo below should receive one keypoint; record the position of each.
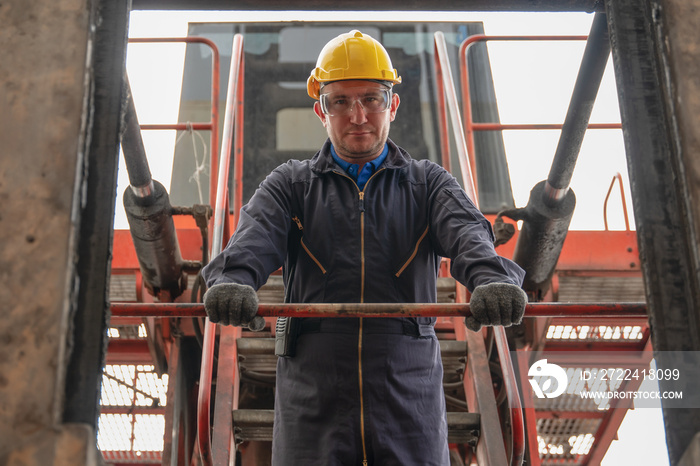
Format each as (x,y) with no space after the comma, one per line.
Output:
(545,374)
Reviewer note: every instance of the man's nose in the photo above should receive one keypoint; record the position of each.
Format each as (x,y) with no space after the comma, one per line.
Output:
(357,113)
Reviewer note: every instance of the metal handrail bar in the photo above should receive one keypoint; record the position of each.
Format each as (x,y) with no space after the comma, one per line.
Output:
(449,94)
(213,124)
(617,177)
(536,126)
(220,220)
(228,380)
(237,184)
(551,309)
(468,168)
(441,111)
(470,126)
(517,421)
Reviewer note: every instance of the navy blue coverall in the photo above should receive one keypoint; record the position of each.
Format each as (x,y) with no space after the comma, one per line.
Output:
(361,389)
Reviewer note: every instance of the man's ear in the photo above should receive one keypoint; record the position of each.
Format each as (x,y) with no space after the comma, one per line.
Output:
(395,101)
(319,113)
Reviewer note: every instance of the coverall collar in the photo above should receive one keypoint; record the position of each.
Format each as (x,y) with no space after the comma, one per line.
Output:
(323,161)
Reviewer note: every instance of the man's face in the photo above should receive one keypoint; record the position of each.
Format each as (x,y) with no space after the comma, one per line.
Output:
(357,136)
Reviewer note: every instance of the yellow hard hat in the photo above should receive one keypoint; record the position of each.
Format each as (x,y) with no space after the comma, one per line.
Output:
(351,56)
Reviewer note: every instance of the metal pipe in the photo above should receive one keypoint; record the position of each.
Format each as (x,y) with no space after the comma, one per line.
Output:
(514,403)
(547,216)
(157,248)
(220,220)
(546,228)
(442,64)
(541,237)
(213,124)
(595,58)
(148,210)
(617,178)
(598,310)
(468,168)
(469,125)
(140,179)
(228,378)
(536,126)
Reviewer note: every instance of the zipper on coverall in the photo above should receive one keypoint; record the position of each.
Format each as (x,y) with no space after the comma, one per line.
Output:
(361,194)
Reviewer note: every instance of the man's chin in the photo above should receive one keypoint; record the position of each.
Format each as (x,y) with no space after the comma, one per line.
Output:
(362,150)
(354,155)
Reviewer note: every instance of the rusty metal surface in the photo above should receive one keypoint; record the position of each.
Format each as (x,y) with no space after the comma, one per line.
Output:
(381,310)
(155,240)
(654,75)
(227,395)
(87,329)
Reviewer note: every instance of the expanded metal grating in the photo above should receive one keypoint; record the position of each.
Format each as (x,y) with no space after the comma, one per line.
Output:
(595,333)
(565,441)
(601,289)
(131,457)
(129,432)
(122,288)
(571,400)
(127,332)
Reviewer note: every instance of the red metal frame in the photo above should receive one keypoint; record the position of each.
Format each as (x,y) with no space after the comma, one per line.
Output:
(447,97)
(470,126)
(605,310)
(227,360)
(530,416)
(468,169)
(129,352)
(479,394)
(637,358)
(580,254)
(617,178)
(582,258)
(576,257)
(213,124)
(172,424)
(144,458)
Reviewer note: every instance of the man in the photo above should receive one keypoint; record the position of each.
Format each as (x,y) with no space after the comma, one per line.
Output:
(361,222)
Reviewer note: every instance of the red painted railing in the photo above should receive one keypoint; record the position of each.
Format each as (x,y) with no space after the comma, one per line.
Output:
(447,98)
(213,124)
(617,178)
(221,229)
(470,126)
(604,310)
(233,125)
(467,163)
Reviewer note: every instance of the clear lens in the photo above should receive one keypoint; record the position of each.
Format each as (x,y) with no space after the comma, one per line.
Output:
(371,99)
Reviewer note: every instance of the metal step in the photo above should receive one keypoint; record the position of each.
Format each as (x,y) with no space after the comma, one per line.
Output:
(256,425)
(257,363)
(257,359)
(273,290)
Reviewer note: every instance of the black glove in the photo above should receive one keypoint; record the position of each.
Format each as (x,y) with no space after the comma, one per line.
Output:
(496,304)
(233,304)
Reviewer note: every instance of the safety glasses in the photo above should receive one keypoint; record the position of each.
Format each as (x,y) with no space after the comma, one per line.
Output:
(371,100)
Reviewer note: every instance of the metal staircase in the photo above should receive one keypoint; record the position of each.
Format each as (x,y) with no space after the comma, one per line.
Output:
(483,387)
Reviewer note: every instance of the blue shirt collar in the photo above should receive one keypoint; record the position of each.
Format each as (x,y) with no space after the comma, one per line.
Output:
(352,168)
